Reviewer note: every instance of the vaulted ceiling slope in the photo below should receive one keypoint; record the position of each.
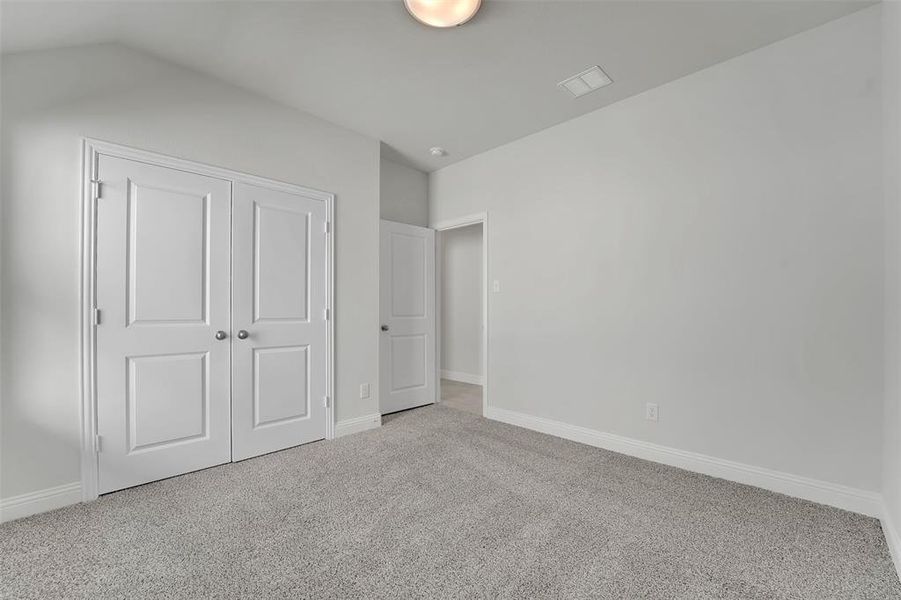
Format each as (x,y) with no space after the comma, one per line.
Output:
(371,68)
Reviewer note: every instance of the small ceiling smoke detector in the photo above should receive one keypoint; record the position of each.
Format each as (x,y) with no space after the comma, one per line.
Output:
(587,81)
(438,151)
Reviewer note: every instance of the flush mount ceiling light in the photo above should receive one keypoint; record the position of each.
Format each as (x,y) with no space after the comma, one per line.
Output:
(443,13)
(438,151)
(588,80)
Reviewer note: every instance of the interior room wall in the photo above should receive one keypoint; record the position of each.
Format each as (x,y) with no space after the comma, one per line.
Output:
(891,128)
(714,246)
(403,193)
(49,101)
(461,303)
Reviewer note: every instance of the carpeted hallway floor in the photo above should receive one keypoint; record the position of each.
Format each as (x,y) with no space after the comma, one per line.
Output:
(439,503)
(462,396)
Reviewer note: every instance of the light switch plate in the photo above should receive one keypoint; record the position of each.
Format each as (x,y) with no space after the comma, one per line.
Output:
(496,286)
(364,391)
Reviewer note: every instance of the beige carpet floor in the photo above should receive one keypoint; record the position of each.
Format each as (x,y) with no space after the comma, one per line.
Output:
(439,503)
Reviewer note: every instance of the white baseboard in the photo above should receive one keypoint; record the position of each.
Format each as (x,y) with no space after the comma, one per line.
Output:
(358,424)
(32,503)
(462,377)
(840,496)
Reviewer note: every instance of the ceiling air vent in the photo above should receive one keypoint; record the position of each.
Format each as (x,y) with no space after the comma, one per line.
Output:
(587,81)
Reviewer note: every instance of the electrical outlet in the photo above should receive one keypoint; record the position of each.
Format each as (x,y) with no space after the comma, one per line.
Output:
(364,391)
(650,411)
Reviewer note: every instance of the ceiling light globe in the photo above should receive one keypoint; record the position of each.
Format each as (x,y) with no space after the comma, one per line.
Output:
(443,13)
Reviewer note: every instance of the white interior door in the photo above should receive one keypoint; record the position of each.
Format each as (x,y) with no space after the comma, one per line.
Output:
(407,307)
(162,277)
(279,322)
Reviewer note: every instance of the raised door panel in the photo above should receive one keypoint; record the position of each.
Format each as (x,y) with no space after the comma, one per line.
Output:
(160,387)
(168,255)
(281,237)
(408,362)
(281,385)
(408,275)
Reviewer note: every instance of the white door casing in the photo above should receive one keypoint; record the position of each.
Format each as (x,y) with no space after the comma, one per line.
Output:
(162,287)
(279,285)
(407,306)
(440,227)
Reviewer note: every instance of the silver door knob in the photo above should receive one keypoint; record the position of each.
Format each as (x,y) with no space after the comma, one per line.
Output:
(384,328)
(221,335)
(242,335)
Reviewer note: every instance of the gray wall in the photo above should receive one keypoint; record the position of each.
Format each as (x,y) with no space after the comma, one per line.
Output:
(403,194)
(51,99)
(891,69)
(714,245)
(461,301)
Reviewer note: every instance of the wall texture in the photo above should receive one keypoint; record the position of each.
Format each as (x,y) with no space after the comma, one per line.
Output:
(403,194)
(714,245)
(49,101)
(461,301)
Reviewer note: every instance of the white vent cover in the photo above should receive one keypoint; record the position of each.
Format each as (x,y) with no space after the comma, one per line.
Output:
(586,81)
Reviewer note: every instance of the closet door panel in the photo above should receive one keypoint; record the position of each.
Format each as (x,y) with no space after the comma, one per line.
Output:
(162,287)
(279,321)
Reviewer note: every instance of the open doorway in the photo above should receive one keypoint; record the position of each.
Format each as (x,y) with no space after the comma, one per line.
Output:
(462,308)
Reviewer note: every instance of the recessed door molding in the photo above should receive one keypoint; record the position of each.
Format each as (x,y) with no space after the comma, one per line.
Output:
(92,150)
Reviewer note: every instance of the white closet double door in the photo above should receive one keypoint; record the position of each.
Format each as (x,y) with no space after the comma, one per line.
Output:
(212,332)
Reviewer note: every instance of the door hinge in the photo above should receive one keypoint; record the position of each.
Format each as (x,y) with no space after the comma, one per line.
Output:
(97,443)
(325,401)
(95,188)
(95,316)
(328,314)
(328,227)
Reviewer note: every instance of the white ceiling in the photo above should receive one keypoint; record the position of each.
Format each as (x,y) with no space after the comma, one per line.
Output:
(368,66)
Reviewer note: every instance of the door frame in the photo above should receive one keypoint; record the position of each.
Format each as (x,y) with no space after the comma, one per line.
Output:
(439,227)
(92,149)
